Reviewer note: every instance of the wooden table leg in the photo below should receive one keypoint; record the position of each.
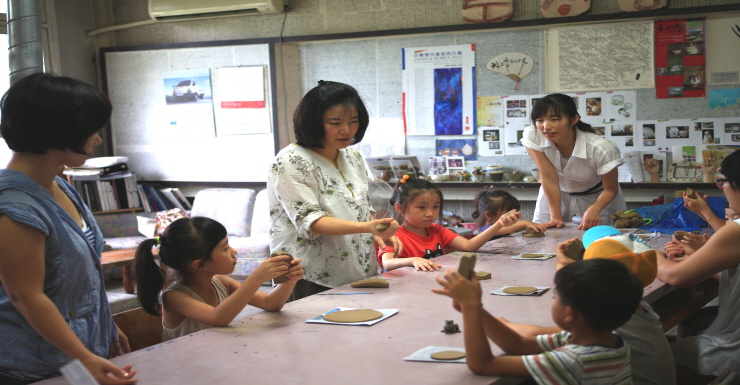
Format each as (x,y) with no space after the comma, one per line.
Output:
(129,282)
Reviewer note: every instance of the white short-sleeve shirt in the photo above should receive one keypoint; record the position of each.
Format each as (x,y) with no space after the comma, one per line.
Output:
(593,156)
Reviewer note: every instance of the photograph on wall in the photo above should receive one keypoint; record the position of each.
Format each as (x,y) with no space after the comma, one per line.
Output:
(620,105)
(188,99)
(732,131)
(467,148)
(437,165)
(438,91)
(724,99)
(680,58)
(512,143)
(490,111)
(489,141)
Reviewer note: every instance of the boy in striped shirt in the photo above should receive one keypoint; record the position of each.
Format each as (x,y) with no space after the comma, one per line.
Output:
(591,299)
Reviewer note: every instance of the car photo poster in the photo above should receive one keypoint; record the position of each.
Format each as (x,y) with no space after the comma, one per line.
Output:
(680,65)
(438,90)
(188,107)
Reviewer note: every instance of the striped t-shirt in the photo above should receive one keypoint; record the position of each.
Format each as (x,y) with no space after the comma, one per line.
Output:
(565,363)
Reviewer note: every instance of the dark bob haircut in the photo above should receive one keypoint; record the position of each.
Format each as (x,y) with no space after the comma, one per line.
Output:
(44,111)
(308,119)
(561,105)
(731,169)
(603,291)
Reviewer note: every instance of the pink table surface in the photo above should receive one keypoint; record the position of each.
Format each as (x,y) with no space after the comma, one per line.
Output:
(280,348)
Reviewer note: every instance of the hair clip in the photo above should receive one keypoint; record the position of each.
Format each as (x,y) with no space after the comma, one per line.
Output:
(404,178)
(322,82)
(158,240)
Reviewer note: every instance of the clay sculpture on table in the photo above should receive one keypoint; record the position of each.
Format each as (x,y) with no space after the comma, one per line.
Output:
(370,282)
(627,219)
(481,275)
(532,233)
(450,327)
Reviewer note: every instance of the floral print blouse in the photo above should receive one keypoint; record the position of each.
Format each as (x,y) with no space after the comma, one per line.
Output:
(302,187)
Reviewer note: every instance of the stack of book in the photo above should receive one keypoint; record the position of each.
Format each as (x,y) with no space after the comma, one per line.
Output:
(105,184)
(161,199)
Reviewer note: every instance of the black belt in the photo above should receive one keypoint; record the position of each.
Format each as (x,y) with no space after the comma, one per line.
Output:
(593,190)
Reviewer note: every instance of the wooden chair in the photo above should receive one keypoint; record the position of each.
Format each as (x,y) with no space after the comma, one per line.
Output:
(141,328)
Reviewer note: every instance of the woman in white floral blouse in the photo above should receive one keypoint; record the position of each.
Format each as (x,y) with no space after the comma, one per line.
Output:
(318,193)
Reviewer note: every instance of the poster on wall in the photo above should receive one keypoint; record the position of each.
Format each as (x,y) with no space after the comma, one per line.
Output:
(466,148)
(723,41)
(240,100)
(438,90)
(585,60)
(679,58)
(188,96)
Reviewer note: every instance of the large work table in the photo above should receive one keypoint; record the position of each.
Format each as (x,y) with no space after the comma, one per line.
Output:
(281,348)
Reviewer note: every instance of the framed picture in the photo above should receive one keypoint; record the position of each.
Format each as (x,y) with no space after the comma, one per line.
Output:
(455,163)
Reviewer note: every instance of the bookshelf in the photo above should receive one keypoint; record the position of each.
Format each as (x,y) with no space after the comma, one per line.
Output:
(108,194)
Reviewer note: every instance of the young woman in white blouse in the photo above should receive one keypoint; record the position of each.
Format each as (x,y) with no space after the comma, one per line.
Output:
(575,165)
(318,193)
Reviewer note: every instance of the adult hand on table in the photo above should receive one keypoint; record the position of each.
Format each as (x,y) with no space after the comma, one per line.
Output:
(556,222)
(591,218)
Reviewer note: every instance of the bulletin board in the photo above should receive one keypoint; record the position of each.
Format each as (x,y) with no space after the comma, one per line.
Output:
(178,115)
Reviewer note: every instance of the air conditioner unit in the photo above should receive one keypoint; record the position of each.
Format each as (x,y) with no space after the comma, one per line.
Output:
(187,9)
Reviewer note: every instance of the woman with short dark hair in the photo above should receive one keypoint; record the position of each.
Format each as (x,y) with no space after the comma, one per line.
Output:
(53,305)
(318,193)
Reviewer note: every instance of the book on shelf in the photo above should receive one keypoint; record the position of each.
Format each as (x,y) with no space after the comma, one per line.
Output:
(181,197)
(110,192)
(172,198)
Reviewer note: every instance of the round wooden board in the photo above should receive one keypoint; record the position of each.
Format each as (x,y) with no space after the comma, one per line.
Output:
(357,315)
(448,355)
(532,256)
(520,290)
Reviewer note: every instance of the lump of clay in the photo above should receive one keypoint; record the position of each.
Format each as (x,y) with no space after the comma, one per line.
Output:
(532,233)
(481,275)
(575,250)
(370,282)
(627,219)
(382,226)
(282,278)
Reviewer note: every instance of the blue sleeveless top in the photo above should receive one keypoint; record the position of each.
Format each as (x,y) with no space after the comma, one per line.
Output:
(73,279)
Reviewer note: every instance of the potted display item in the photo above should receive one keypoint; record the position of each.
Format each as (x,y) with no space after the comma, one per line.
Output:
(479,174)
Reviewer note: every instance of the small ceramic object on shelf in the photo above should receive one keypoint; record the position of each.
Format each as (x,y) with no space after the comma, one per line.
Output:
(529,178)
(514,176)
(536,174)
(495,173)
(440,177)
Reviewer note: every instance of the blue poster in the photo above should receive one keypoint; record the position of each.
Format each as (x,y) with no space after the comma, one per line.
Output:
(727,98)
(448,101)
